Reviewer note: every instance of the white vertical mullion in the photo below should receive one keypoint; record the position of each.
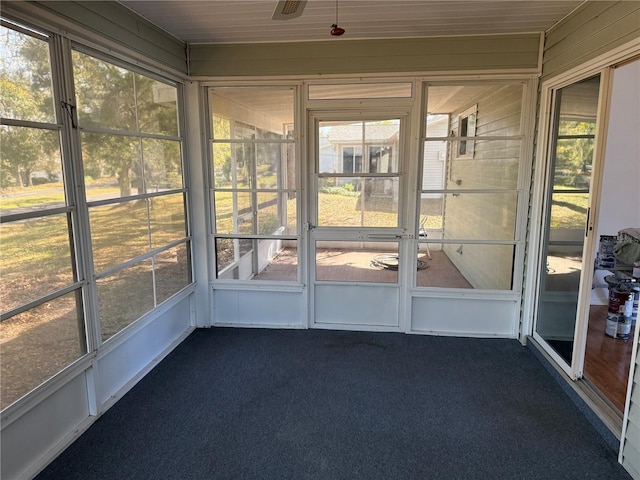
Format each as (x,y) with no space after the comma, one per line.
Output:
(589,248)
(527,128)
(302,187)
(75,188)
(198,178)
(411,169)
(535,244)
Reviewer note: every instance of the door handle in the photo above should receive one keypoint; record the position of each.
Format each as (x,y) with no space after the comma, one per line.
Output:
(588,228)
(383,236)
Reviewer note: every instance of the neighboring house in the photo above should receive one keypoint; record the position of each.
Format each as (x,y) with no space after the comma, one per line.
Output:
(475,150)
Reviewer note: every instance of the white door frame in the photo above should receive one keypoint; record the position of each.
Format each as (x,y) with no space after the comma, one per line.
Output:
(400,234)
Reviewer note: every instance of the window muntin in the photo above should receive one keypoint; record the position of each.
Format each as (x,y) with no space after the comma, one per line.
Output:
(253,173)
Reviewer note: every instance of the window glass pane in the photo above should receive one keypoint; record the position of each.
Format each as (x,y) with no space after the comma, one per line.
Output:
(172,270)
(119,232)
(221,127)
(232,164)
(290,215)
(579,108)
(360,90)
(105,94)
(431,213)
(464,265)
(568,217)
(112,166)
(167,214)
(358,147)
(269,160)
(162,164)
(124,297)
(31,171)
(437,125)
(233,258)
(574,157)
(277,260)
(498,107)
(234,212)
(262,112)
(357,201)
(269,220)
(157,106)
(472,216)
(348,261)
(257,259)
(494,165)
(39,343)
(35,259)
(26,92)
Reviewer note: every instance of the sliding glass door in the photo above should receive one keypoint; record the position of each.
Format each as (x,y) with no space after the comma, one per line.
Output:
(566,218)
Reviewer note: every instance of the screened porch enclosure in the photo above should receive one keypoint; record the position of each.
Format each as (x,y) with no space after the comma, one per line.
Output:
(463,234)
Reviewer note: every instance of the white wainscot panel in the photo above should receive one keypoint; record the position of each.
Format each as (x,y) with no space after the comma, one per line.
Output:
(136,355)
(356,305)
(259,308)
(473,317)
(28,440)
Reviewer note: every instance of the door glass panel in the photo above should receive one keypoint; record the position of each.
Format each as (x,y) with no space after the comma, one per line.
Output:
(358,147)
(358,167)
(572,140)
(348,261)
(358,202)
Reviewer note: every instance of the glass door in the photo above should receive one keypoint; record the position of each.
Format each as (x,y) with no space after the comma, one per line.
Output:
(567,212)
(356,229)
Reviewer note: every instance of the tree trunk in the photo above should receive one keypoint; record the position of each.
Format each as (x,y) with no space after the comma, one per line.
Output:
(19,178)
(124,179)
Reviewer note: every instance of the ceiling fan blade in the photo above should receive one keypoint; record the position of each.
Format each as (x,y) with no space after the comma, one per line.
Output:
(288,9)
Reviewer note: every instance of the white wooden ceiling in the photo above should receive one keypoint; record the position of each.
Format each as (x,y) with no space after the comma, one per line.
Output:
(248,21)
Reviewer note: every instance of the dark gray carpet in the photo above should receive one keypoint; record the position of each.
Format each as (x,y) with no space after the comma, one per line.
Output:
(314,404)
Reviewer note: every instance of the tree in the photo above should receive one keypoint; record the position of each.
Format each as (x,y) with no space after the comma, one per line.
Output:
(26,94)
(24,149)
(114,98)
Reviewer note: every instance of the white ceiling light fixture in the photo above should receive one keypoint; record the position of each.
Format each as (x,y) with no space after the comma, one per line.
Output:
(288,9)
